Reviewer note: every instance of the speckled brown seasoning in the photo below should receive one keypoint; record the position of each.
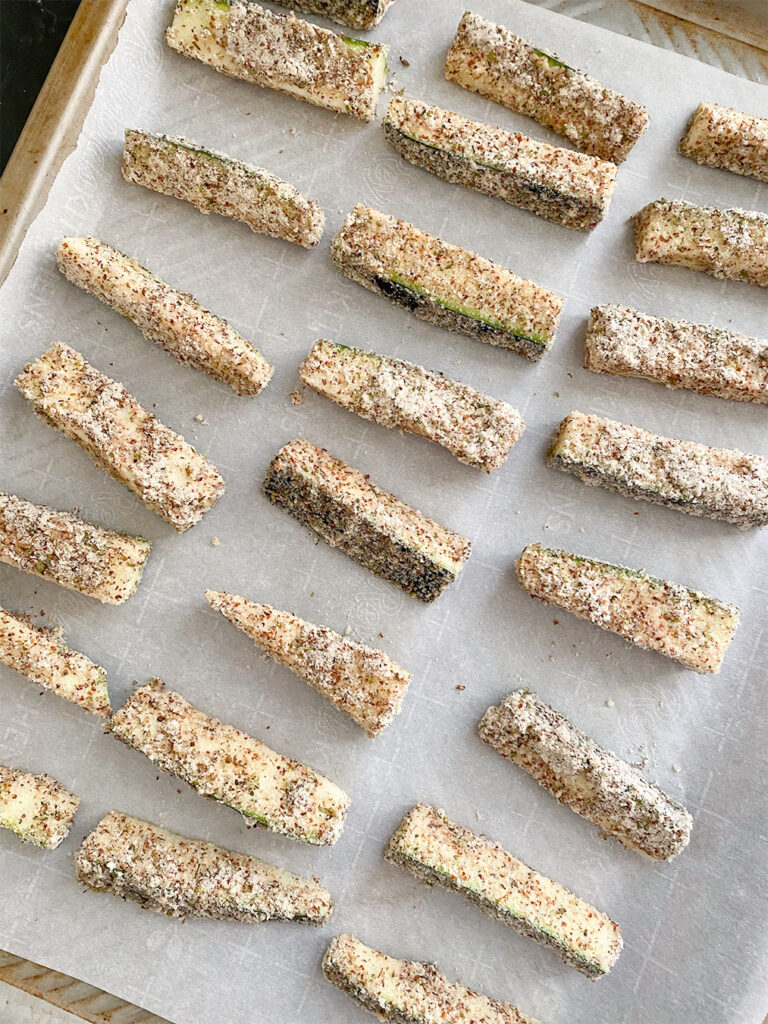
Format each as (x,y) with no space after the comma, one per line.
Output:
(659,615)
(729,139)
(719,483)
(491,60)
(698,357)
(591,780)
(731,244)
(409,992)
(448,286)
(282,52)
(352,13)
(121,437)
(362,682)
(216,183)
(58,545)
(479,430)
(220,761)
(371,526)
(180,877)
(40,654)
(440,852)
(37,808)
(171,319)
(570,188)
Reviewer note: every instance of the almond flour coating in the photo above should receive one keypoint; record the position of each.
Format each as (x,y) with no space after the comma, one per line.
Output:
(180,877)
(719,483)
(569,188)
(698,357)
(352,13)
(480,431)
(437,851)
(592,781)
(215,183)
(121,437)
(60,546)
(37,808)
(173,320)
(731,244)
(371,526)
(40,654)
(490,60)
(446,285)
(282,52)
(658,615)
(360,681)
(729,139)
(409,992)
(218,760)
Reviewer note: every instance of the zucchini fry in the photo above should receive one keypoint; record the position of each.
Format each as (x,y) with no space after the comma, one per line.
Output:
(731,244)
(360,681)
(352,13)
(218,760)
(121,437)
(372,527)
(215,183)
(40,654)
(569,188)
(173,320)
(408,992)
(282,52)
(698,357)
(718,483)
(60,546)
(480,431)
(181,877)
(436,850)
(729,139)
(490,60)
(37,808)
(658,615)
(444,284)
(592,781)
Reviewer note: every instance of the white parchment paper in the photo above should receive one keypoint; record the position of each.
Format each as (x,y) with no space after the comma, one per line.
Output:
(695,929)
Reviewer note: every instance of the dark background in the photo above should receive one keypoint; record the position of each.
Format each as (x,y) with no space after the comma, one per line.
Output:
(31,32)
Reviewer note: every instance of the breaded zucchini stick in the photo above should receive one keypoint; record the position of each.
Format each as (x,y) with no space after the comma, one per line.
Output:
(698,357)
(173,320)
(731,244)
(37,808)
(480,431)
(592,781)
(215,183)
(352,13)
(282,52)
(446,285)
(371,526)
(181,877)
(436,850)
(40,654)
(120,436)
(658,615)
(729,139)
(360,681)
(218,760)
(569,188)
(409,992)
(718,483)
(490,60)
(60,546)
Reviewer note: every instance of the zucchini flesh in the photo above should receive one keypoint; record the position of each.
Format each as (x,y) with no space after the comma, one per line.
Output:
(363,14)
(658,615)
(438,851)
(729,139)
(37,808)
(218,760)
(480,431)
(181,877)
